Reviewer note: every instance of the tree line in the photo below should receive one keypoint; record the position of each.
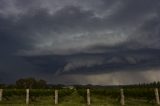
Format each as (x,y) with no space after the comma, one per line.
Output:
(33,83)
(24,83)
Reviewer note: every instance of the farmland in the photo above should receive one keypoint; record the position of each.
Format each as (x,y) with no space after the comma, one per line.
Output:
(135,96)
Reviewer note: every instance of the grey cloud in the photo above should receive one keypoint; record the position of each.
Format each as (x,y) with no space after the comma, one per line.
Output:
(40,26)
(115,78)
(101,63)
(134,11)
(83,61)
(90,37)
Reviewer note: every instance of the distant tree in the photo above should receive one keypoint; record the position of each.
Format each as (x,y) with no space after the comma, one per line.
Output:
(26,83)
(41,84)
(21,83)
(2,86)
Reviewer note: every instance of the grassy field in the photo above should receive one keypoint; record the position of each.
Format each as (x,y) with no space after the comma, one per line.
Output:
(74,99)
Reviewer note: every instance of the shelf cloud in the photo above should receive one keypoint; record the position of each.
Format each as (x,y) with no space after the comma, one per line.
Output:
(59,40)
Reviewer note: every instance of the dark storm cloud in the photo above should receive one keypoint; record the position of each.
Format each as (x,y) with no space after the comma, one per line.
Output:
(134,11)
(100,62)
(54,38)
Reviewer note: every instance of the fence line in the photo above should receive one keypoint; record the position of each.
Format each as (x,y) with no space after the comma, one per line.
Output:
(122,97)
(1,94)
(27,96)
(88,96)
(157,96)
(56,97)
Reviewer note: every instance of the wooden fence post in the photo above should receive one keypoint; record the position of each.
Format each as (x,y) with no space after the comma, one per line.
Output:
(88,97)
(1,94)
(56,97)
(157,96)
(122,97)
(27,96)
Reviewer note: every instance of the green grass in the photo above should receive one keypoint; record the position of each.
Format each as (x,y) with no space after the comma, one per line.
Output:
(74,100)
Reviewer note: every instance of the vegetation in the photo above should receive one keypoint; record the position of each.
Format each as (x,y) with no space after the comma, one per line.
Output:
(77,96)
(42,94)
(30,83)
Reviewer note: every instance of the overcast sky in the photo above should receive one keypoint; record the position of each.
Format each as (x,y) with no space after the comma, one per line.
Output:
(80,41)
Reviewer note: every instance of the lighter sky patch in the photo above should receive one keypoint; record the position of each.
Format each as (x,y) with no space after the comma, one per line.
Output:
(113,78)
